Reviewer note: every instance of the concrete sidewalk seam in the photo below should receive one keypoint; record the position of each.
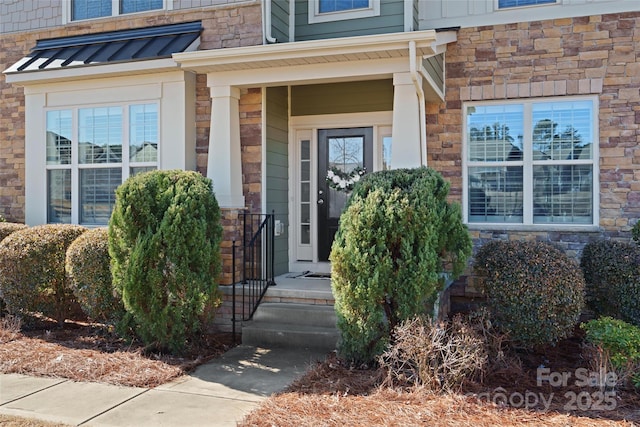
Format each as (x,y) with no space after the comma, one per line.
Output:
(34,392)
(112,407)
(191,393)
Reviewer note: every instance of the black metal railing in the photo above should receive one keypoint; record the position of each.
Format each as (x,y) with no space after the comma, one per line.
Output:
(256,264)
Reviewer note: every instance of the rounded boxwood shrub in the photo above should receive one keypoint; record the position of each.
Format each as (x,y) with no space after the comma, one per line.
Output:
(32,273)
(164,239)
(89,272)
(612,273)
(396,236)
(7,228)
(535,293)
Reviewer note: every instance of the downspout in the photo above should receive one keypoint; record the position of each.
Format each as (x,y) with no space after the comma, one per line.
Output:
(413,70)
(267,22)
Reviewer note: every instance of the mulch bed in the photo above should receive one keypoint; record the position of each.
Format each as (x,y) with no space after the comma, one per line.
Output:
(84,351)
(333,394)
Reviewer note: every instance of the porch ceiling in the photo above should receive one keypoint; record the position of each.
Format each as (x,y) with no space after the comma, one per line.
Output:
(314,52)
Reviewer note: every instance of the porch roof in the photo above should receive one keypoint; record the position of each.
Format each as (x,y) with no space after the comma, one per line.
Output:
(338,51)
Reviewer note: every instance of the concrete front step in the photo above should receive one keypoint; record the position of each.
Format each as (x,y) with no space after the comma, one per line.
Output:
(292,325)
(296,314)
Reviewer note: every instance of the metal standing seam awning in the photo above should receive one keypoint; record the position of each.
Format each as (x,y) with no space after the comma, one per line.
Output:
(109,47)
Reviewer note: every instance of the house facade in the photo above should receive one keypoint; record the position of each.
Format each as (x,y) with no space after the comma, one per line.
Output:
(529,108)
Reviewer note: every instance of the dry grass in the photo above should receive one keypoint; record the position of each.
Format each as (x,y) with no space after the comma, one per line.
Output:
(11,421)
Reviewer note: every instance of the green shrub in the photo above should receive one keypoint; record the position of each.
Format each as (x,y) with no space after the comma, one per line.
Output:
(2,220)
(620,339)
(164,238)
(534,291)
(615,347)
(32,274)
(7,228)
(396,236)
(612,273)
(89,272)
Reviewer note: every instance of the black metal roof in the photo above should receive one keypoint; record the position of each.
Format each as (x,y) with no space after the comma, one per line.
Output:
(110,47)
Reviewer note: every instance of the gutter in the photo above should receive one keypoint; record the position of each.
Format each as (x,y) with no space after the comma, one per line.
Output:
(413,70)
(267,22)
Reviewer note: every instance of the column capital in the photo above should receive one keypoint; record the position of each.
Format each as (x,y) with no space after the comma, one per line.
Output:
(224,92)
(400,79)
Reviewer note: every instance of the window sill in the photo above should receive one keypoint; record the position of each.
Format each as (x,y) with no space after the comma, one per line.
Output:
(587,228)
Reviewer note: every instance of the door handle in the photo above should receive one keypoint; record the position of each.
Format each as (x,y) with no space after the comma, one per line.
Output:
(320,201)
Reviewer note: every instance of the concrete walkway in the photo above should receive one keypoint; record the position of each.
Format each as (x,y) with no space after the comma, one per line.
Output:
(219,393)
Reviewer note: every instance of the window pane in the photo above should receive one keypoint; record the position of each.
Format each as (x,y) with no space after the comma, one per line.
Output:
(386,153)
(59,196)
(305,234)
(97,194)
(563,194)
(326,6)
(515,3)
(143,133)
(59,137)
(86,9)
(562,130)
(141,169)
(495,194)
(494,133)
(100,135)
(131,6)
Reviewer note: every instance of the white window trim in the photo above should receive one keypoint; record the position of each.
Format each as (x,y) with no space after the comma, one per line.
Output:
(67,14)
(527,224)
(497,5)
(174,91)
(315,17)
(75,166)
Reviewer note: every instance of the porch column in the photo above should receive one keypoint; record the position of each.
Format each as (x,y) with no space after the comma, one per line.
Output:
(405,149)
(224,164)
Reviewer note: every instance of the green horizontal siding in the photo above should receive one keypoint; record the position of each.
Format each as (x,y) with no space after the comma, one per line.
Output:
(391,20)
(349,97)
(280,20)
(435,68)
(277,164)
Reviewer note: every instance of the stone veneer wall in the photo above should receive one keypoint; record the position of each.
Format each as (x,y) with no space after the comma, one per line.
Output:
(573,56)
(224,26)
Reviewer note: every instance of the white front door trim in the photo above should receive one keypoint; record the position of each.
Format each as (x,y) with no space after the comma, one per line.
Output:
(305,257)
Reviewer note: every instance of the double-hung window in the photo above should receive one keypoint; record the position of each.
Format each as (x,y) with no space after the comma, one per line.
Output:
(337,10)
(89,9)
(90,151)
(531,162)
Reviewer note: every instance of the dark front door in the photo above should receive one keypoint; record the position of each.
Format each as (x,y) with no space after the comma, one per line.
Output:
(341,151)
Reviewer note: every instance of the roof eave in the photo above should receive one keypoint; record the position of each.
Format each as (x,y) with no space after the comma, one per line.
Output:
(90,71)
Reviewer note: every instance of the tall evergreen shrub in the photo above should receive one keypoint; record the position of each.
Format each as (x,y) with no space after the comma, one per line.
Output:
(164,239)
(396,236)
